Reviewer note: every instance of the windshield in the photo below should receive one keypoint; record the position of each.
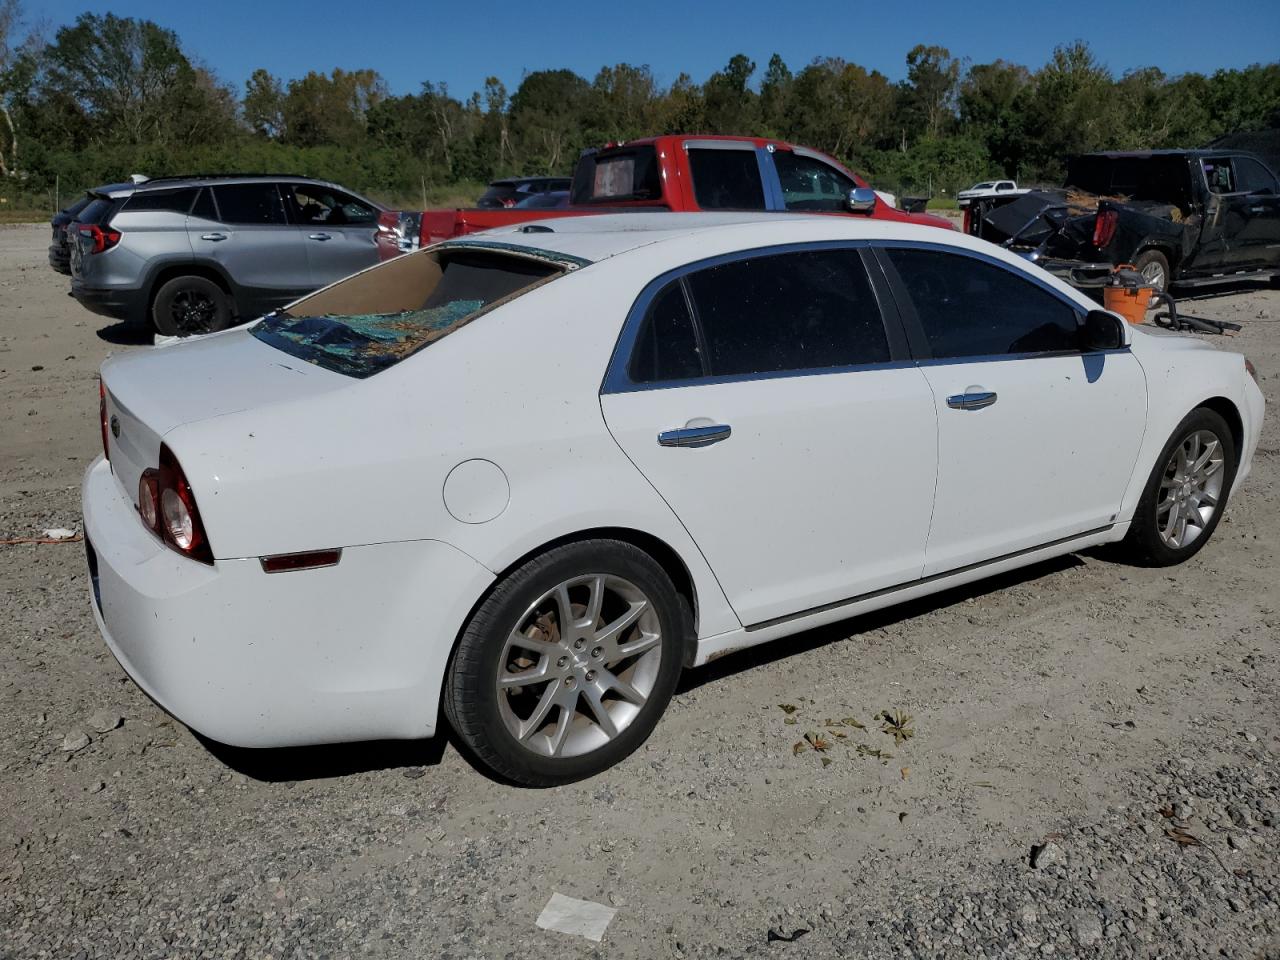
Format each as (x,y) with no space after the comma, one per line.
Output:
(375,319)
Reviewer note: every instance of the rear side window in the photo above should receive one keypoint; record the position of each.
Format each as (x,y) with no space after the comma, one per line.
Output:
(970,308)
(98,211)
(405,305)
(171,201)
(616,176)
(667,348)
(808,310)
(250,203)
(726,179)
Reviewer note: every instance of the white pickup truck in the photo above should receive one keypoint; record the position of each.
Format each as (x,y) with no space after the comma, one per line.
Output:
(989,188)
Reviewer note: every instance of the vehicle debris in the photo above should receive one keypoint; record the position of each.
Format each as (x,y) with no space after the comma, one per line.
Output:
(582,918)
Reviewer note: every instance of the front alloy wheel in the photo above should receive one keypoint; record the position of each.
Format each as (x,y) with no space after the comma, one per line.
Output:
(567,665)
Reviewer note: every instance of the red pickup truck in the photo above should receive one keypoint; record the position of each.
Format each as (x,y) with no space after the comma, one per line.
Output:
(675,172)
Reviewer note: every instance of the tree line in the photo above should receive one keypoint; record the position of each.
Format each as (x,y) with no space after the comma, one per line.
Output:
(108,96)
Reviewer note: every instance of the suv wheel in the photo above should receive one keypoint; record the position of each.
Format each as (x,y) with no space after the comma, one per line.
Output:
(189,305)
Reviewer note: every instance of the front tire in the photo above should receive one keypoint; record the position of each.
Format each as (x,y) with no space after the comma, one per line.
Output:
(566,667)
(1186,492)
(190,305)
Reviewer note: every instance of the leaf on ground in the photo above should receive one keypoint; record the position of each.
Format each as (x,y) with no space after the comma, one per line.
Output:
(1182,838)
(896,725)
(799,747)
(826,761)
(818,741)
(788,720)
(788,708)
(906,772)
(850,722)
(865,751)
(1166,812)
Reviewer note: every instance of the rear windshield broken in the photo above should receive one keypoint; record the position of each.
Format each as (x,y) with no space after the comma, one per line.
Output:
(375,319)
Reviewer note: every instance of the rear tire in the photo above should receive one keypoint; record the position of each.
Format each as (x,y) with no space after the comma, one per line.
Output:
(1182,504)
(620,654)
(1154,267)
(190,305)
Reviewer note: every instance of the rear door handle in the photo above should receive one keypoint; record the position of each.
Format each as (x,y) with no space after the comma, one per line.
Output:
(695,436)
(213,236)
(971,400)
(320,236)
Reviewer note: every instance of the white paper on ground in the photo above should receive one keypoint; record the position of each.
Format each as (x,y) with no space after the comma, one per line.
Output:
(581,917)
(59,533)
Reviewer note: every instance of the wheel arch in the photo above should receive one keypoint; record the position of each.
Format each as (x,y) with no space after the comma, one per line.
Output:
(658,549)
(1229,412)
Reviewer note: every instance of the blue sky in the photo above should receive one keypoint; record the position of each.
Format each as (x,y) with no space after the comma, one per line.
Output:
(461,43)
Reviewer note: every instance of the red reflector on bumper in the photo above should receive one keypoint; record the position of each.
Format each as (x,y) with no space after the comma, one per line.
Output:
(283,562)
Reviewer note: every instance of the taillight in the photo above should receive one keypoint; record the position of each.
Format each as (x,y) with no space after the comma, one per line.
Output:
(968,220)
(1251,369)
(102,239)
(1104,227)
(102,417)
(167,505)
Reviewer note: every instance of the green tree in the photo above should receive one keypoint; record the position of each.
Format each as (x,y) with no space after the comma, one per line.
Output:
(263,105)
(929,93)
(730,103)
(546,118)
(331,109)
(775,96)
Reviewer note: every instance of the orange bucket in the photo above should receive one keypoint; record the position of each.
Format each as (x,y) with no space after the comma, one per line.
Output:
(1126,295)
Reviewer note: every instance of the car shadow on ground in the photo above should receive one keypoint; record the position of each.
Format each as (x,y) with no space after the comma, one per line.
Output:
(780,649)
(126,334)
(293,764)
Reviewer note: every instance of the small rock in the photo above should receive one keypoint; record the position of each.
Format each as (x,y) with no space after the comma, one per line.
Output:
(74,741)
(104,721)
(1028,914)
(1046,854)
(1087,928)
(1239,816)
(1237,841)
(1235,905)
(413,773)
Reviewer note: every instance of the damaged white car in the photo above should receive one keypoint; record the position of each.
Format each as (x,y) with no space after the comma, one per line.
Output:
(529,477)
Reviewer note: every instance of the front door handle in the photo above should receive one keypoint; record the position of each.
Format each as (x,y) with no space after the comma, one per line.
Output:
(213,236)
(320,236)
(1257,209)
(695,436)
(971,400)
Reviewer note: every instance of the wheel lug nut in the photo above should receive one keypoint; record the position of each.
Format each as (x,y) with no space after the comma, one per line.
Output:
(562,662)
(591,676)
(570,681)
(597,652)
(579,644)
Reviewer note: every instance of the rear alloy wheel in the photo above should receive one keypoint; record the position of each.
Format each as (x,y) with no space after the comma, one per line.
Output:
(1187,491)
(568,665)
(1154,267)
(190,305)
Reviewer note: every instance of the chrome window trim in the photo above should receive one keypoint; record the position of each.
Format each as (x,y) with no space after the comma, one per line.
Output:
(617,377)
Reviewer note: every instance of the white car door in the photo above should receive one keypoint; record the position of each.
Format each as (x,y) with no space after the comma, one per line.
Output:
(766,400)
(1037,439)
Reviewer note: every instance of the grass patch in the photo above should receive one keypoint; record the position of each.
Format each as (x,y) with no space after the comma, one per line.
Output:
(445,197)
(22,214)
(943,203)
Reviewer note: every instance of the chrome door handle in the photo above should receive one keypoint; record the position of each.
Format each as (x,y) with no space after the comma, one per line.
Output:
(695,436)
(320,236)
(213,236)
(971,401)
(1257,209)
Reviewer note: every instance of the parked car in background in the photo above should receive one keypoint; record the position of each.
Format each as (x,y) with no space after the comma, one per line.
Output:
(59,248)
(680,173)
(989,188)
(551,200)
(533,475)
(513,191)
(200,253)
(1188,217)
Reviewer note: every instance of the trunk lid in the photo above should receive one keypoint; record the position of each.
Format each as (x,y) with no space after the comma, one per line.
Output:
(151,392)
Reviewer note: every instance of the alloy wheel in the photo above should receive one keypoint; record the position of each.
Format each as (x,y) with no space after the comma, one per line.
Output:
(193,312)
(1153,273)
(1191,489)
(579,666)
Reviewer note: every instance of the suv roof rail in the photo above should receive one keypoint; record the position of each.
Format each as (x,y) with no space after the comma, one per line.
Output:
(225,176)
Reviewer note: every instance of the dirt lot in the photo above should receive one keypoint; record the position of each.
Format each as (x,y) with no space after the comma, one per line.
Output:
(1063,708)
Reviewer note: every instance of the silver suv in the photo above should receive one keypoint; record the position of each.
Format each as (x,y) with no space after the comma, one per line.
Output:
(202,253)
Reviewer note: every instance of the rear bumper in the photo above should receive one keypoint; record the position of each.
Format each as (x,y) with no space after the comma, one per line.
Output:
(117,303)
(1078,273)
(59,258)
(351,652)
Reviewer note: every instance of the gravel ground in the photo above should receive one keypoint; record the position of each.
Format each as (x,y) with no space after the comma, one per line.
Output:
(1094,768)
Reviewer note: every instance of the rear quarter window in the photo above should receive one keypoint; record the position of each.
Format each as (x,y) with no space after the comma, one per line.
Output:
(171,201)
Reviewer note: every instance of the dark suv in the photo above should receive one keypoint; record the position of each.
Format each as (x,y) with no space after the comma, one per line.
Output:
(200,253)
(508,193)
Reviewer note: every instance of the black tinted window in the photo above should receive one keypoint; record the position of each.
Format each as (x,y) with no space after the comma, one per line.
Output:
(970,308)
(203,207)
(249,203)
(667,348)
(616,176)
(98,211)
(317,205)
(810,184)
(1253,177)
(726,179)
(793,311)
(173,201)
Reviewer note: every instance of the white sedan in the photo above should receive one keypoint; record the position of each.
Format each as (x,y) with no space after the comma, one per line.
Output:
(530,476)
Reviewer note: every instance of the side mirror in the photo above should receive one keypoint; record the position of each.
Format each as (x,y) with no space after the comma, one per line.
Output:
(1102,331)
(861,200)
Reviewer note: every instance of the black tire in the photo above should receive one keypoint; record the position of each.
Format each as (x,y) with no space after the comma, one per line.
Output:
(189,305)
(471,696)
(1154,260)
(1144,543)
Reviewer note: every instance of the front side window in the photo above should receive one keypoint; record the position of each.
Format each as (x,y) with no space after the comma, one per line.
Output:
(1253,177)
(810,184)
(726,179)
(808,310)
(250,203)
(1217,172)
(971,308)
(315,205)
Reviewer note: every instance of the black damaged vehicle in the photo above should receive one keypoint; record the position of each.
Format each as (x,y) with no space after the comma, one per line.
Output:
(1184,217)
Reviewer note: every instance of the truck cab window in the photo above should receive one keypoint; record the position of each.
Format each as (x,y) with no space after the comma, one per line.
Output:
(1218,174)
(726,179)
(1253,177)
(810,184)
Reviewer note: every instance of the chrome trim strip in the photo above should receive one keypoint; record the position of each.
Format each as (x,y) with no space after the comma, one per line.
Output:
(885,591)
